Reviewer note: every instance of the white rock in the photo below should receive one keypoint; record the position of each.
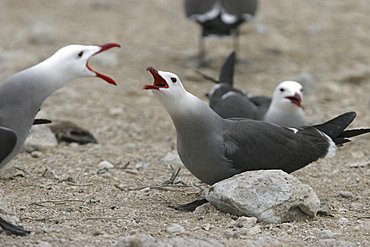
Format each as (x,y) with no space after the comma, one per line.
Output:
(174,228)
(36,154)
(105,164)
(40,138)
(272,196)
(207,227)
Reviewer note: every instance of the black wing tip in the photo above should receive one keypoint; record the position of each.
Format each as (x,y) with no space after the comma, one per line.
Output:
(354,132)
(227,69)
(335,128)
(13,229)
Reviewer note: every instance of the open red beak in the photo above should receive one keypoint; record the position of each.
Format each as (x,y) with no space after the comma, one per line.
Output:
(296,99)
(104,48)
(158,83)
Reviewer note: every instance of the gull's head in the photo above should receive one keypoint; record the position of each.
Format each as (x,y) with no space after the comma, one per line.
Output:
(74,60)
(166,84)
(288,94)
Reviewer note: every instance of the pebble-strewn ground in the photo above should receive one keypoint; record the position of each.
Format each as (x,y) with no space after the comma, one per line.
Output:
(66,200)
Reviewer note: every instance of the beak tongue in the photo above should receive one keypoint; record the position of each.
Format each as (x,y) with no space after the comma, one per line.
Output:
(158,83)
(296,99)
(104,48)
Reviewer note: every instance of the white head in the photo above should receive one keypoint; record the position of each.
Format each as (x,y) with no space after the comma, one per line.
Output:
(171,93)
(71,62)
(288,95)
(166,83)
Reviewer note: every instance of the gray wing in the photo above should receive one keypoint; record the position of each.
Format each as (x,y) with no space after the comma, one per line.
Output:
(255,145)
(194,7)
(8,139)
(234,104)
(262,103)
(240,7)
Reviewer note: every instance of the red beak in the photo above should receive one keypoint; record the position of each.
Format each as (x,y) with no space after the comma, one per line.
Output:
(158,83)
(104,48)
(296,99)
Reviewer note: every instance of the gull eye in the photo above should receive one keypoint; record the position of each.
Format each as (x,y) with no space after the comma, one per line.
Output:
(173,79)
(282,89)
(80,54)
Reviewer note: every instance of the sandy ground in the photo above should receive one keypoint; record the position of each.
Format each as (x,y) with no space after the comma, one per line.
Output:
(82,206)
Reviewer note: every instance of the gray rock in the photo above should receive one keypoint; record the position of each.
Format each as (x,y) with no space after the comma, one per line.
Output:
(272,196)
(40,138)
(203,209)
(346,194)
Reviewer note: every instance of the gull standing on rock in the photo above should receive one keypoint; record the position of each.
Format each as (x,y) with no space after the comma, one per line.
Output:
(213,148)
(22,94)
(284,108)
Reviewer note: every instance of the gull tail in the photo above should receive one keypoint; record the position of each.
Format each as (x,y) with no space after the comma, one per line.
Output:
(227,69)
(335,128)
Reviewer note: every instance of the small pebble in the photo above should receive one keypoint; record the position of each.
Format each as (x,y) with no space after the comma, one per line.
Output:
(36,154)
(105,164)
(207,227)
(203,209)
(174,228)
(346,194)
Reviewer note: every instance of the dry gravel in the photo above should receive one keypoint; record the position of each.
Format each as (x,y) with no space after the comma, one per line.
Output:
(75,204)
